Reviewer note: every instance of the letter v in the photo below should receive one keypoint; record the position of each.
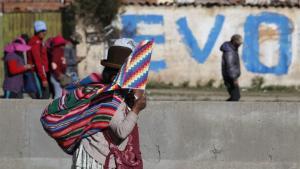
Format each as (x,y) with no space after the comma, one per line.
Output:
(200,55)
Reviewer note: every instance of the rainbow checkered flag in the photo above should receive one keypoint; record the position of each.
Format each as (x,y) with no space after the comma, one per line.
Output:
(134,73)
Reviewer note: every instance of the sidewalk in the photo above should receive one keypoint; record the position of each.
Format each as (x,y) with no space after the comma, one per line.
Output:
(215,95)
(220,95)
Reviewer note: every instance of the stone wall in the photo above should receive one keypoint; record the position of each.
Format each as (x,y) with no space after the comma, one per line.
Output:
(174,135)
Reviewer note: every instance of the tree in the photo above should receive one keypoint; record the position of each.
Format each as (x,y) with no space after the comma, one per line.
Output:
(96,13)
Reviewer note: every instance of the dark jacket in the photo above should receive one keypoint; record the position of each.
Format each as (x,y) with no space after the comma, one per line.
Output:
(230,61)
(14,69)
(70,55)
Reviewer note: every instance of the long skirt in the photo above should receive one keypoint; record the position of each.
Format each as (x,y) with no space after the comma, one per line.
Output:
(82,160)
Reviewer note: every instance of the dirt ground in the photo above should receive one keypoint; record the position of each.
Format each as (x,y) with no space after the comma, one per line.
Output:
(221,95)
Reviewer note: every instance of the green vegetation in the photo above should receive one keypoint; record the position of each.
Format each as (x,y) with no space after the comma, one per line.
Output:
(99,14)
(257,85)
(277,88)
(159,85)
(184,85)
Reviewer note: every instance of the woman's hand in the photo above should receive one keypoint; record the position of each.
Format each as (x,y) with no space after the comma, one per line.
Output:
(28,66)
(140,101)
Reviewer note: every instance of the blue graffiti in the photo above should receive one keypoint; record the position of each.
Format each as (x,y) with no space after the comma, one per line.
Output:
(158,65)
(200,55)
(251,45)
(130,24)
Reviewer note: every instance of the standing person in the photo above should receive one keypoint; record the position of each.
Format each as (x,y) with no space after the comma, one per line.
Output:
(38,57)
(59,78)
(25,37)
(117,146)
(15,68)
(231,70)
(71,57)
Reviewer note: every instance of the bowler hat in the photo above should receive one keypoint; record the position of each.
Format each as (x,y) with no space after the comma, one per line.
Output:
(118,53)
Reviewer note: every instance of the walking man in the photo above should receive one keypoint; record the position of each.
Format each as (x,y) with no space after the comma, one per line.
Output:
(231,70)
(38,57)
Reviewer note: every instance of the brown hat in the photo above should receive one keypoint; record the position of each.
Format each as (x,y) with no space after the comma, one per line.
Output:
(118,53)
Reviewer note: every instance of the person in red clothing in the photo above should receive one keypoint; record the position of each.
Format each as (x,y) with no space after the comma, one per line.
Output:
(59,78)
(38,57)
(15,68)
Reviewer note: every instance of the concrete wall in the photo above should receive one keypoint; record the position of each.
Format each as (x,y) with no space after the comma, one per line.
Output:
(174,135)
(188,41)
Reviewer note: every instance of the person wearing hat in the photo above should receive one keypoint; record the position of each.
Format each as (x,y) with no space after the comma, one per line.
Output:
(15,68)
(58,64)
(38,57)
(231,70)
(117,146)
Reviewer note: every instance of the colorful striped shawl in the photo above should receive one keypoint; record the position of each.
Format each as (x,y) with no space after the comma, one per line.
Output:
(79,114)
(90,105)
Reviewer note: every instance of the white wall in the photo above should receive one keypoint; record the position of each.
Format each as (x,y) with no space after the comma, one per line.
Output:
(177,31)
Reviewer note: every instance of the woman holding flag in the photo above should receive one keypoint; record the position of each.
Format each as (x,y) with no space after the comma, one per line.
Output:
(96,121)
(105,149)
(102,132)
